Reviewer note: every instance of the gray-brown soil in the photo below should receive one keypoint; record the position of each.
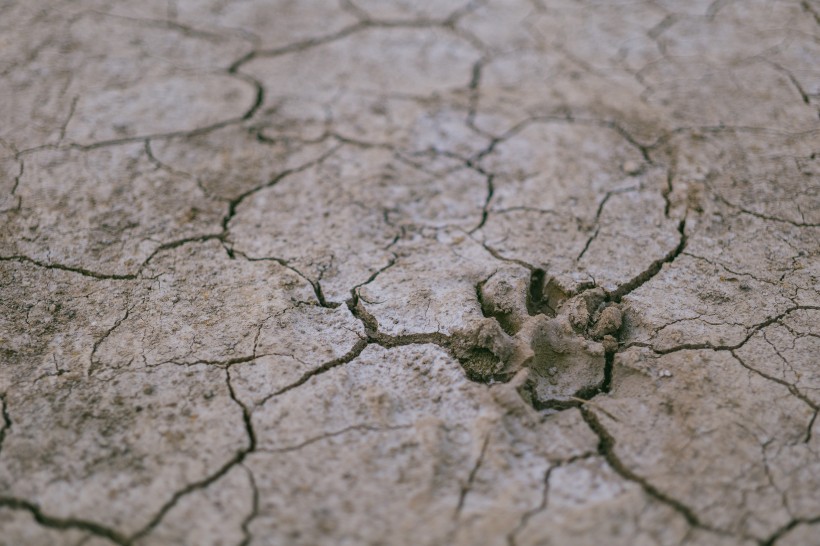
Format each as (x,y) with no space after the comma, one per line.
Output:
(439,272)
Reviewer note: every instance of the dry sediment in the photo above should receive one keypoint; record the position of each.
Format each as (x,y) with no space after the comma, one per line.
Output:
(443,272)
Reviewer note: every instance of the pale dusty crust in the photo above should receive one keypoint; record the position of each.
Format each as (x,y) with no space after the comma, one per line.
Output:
(514,272)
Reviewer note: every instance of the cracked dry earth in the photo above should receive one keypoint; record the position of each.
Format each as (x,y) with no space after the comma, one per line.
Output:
(430,272)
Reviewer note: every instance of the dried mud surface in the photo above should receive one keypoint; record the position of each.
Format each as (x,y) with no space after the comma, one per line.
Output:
(410,272)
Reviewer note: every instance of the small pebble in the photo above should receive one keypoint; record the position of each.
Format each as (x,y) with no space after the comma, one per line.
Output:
(631,167)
